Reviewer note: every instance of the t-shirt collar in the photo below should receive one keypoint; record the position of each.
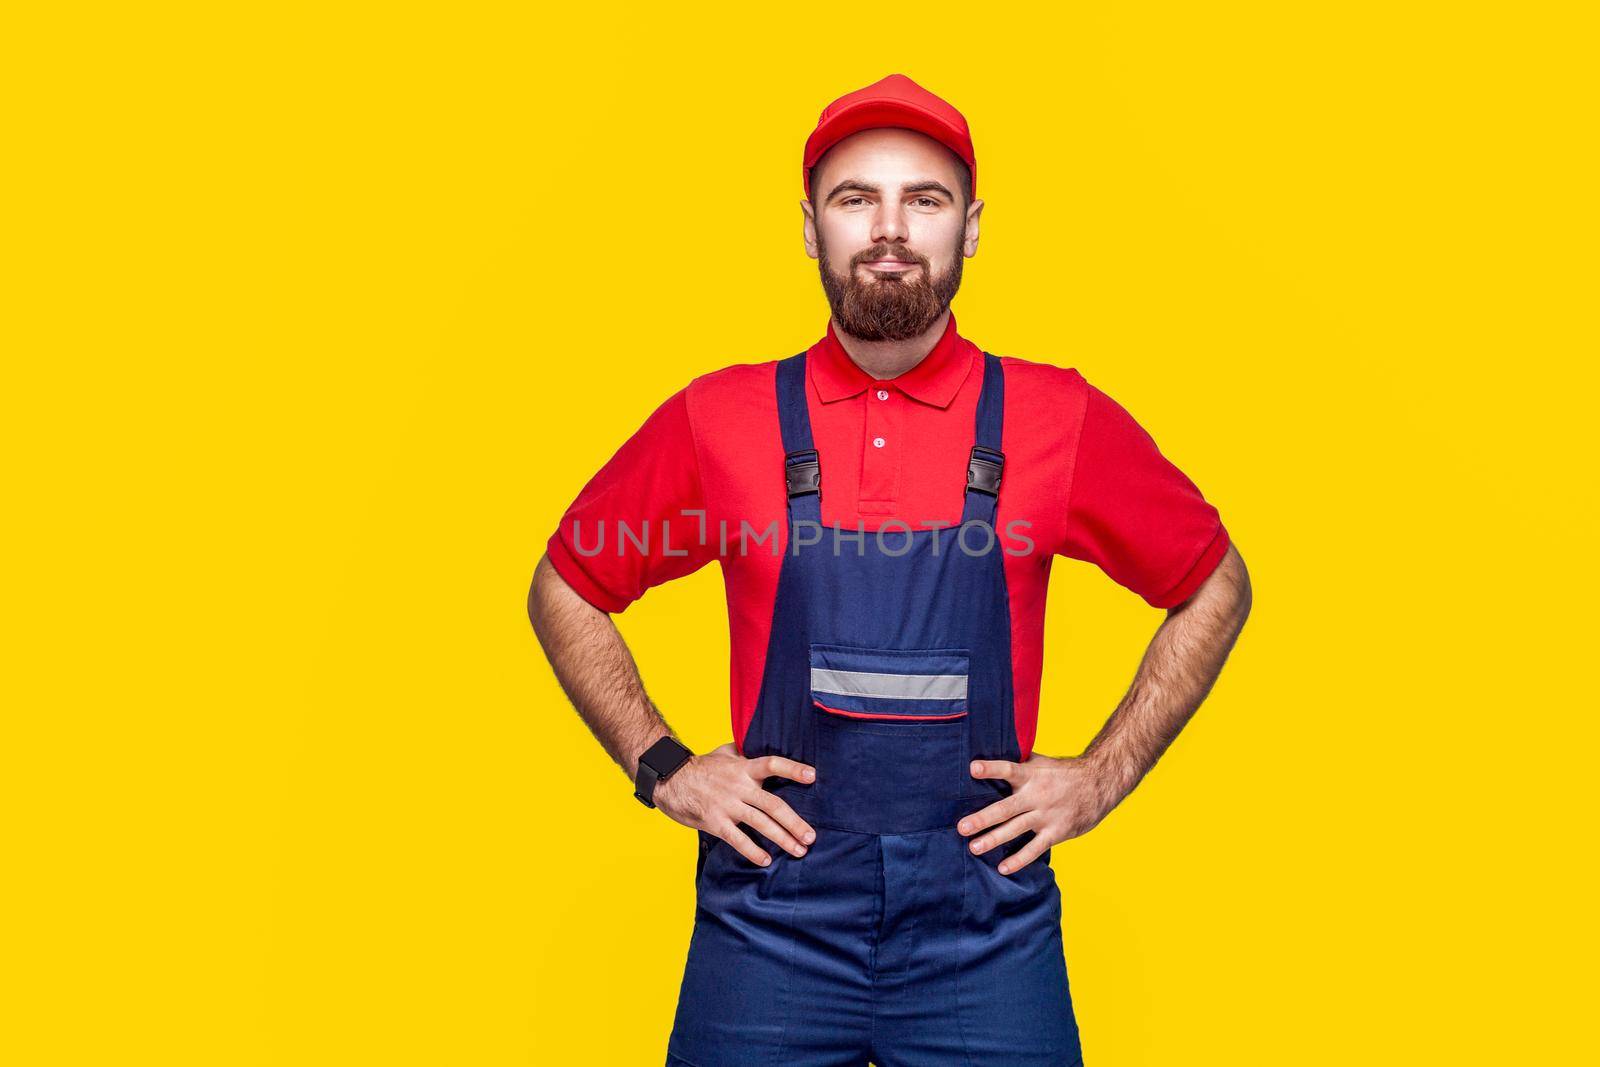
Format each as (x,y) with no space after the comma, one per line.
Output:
(934,380)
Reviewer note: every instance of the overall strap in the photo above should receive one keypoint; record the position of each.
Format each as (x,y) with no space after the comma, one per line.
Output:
(802,471)
(987,462)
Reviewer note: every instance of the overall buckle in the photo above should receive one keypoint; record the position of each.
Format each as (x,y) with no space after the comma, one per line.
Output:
(802,472)
(984,469)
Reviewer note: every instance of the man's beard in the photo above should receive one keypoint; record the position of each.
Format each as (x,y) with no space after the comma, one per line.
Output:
(891,307)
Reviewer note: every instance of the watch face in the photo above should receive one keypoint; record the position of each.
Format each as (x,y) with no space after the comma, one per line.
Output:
(658,761)
(665,756)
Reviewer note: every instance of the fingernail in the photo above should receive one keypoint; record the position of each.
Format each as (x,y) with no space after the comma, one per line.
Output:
(808,774)
(976,766)
(765,860)
(963,826)
(978,846)
(800,850)
(808,837)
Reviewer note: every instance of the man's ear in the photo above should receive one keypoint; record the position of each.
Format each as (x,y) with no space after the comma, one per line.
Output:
(808,228)
(969,244)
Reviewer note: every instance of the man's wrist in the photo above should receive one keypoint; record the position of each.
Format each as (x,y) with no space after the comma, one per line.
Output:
(668,786)
(1113,778)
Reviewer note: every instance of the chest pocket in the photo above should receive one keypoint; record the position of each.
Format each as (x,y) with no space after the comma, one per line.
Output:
(893,684)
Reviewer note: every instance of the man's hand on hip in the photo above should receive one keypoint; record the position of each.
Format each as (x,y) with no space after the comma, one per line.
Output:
(721,789)
(1057,799)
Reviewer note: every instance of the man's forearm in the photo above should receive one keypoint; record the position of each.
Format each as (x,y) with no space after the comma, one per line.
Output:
(594,667)
(1177,671)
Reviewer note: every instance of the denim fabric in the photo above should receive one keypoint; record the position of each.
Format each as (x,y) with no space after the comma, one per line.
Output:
(889,942)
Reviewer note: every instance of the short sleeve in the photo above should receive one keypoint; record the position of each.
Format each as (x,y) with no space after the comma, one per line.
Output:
(1135,515)
(639,521)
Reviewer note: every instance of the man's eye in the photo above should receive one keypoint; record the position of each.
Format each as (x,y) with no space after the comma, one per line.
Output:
(928,200)
(847,199)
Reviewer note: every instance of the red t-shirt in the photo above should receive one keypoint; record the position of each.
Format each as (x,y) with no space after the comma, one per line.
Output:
(702,480)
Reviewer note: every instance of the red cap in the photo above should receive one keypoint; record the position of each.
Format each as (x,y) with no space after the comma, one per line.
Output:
(893,101)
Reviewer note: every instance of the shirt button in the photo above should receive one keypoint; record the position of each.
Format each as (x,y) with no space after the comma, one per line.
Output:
(877,442)
(883,394)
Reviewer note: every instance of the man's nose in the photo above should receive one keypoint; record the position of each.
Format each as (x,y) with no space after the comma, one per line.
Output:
(889,223)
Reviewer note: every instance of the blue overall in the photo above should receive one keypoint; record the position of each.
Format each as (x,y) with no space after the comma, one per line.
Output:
(889,942)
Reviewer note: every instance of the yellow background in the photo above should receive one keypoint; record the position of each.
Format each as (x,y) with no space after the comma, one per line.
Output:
(317,316)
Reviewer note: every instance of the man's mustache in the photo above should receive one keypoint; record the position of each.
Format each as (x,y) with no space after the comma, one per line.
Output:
(878,257)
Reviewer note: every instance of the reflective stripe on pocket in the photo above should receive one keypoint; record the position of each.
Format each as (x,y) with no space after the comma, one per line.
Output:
(890,683)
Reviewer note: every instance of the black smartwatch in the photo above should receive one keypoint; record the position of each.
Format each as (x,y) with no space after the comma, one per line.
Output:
(656,765)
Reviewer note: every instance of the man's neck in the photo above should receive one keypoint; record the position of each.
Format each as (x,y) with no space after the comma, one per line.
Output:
(890,359)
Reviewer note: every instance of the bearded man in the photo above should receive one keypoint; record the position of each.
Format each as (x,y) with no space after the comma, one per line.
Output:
(874,880)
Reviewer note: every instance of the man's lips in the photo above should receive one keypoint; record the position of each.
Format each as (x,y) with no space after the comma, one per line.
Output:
(889,264)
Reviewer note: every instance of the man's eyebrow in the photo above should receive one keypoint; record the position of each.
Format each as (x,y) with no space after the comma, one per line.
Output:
(857,185)
(852,184)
